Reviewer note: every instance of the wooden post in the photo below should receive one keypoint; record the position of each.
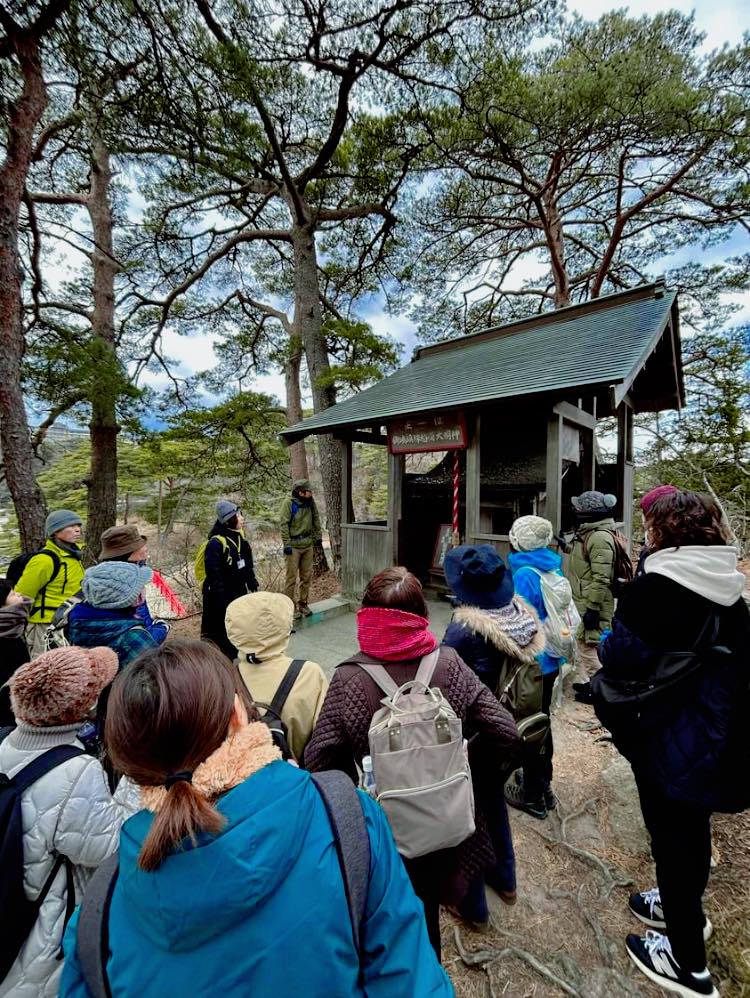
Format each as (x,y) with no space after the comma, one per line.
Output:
(473,478)
(395,496)
(346,496)
(625,467)
(553,506)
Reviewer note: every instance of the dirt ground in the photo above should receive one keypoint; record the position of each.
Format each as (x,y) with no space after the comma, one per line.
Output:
(565,936)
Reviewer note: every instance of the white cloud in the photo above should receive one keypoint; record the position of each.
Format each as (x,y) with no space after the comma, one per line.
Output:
(721,20)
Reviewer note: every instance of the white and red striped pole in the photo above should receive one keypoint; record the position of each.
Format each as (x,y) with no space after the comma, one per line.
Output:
(456,482)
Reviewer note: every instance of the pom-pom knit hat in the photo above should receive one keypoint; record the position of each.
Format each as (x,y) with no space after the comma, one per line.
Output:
(114,585)
(529,533)
(594,502)
(61,686)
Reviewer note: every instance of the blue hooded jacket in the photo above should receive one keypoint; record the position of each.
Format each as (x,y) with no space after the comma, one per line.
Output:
(260,908)
(120,630)
(528,585)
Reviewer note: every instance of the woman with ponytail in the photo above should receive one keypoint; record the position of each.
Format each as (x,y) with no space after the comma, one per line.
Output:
(229,881)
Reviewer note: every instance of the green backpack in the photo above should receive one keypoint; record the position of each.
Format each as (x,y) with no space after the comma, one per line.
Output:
(199,565)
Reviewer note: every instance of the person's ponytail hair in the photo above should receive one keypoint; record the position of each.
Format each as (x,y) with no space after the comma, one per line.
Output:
(168,711)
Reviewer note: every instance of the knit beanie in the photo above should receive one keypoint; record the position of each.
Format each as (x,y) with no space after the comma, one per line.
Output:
(59,519)
(659,492)
(594,502)
(225,510)
(114,585)
(61,686)
(529,533)
(302,485)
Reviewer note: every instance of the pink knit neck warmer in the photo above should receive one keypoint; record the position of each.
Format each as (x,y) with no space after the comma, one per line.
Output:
(393,635)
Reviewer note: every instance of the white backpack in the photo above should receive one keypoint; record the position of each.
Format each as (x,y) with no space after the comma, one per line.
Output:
(563,618)
(56,635)
(420,764)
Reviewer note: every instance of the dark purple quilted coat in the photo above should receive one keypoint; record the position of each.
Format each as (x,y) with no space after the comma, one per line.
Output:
(340,739)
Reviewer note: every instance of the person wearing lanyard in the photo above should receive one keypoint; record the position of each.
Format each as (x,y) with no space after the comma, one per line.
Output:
(229,573)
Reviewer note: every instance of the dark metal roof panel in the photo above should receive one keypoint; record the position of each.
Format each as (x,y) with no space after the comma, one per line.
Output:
(597,346)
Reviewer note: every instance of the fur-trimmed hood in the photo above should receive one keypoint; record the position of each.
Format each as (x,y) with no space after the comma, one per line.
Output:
(487,626)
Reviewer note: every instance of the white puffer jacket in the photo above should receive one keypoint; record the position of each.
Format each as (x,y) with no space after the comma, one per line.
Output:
(69,812)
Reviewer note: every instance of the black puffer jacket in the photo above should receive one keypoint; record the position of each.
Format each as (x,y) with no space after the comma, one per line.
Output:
(229,575)
(13,652)
(693,744)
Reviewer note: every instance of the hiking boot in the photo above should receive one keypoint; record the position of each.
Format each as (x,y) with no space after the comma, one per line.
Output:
(646,906)
(305,610)
(550,799)
(652,955)
(514,795)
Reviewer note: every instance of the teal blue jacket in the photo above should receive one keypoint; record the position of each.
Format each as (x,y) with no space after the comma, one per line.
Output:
(260,909)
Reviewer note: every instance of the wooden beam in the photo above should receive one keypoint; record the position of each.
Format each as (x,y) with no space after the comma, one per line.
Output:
(363,437)
(625,467)
(553,508)
(395,496)
(571,414)
(473,476)
(346,482)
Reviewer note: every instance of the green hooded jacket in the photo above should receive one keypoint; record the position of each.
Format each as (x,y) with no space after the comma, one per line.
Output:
(299,523)
(591,568)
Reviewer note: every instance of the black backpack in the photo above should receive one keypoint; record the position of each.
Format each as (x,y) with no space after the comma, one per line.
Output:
(17,913)
(19,563)
(272,716)
(352,841)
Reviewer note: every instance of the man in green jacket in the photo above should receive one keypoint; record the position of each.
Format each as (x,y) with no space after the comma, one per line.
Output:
(52,575)
(300,531)
(592,563)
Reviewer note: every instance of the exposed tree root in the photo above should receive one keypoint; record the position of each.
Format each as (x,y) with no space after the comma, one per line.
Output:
(482,958)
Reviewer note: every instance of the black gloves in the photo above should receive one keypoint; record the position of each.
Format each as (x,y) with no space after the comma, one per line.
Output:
(287,549)
(591,620)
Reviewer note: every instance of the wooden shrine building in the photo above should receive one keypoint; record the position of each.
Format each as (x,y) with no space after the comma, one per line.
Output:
(504,424)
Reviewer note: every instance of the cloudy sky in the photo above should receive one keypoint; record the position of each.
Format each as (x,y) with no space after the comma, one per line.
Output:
(721,20)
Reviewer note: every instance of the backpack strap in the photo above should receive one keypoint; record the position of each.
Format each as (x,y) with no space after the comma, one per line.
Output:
(352,843)
(427,667)
(379,676)
(92,936)
(285,686)
(56,565)
(4,732)
(44,764)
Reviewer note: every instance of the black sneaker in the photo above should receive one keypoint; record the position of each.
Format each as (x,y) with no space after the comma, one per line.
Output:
(582,692)
(305,610)
(514,795)
(550,799)
(647,907)
(652,955)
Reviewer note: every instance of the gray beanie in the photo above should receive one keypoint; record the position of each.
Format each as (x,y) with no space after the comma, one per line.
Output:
(594,502)
(59,519)
(114,585)
(225,510)
(529,533)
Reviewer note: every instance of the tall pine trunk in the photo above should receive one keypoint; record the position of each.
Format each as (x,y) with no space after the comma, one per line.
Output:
(15,438)
(297,451)
(309,321)
(106,379)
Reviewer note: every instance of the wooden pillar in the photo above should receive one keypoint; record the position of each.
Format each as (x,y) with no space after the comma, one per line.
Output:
(553,506)
(346,480)
(473,477)
(625,467)
(395,497)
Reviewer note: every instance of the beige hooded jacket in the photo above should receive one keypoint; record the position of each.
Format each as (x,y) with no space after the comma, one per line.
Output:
(259,625)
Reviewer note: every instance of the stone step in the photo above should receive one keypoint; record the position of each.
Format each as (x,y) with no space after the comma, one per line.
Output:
(325,609)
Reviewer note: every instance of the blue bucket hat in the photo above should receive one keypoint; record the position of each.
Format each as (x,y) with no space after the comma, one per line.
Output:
(478,576)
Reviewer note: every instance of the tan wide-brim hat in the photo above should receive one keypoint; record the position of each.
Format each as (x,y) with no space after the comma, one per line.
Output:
(121,540)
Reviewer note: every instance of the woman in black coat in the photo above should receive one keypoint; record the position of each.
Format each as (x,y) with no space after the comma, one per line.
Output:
(229,573)
(686,745)
(14,615)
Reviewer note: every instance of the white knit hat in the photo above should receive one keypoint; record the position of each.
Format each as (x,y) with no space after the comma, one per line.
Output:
(529,533)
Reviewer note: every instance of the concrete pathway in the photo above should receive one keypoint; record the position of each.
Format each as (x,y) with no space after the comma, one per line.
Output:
(331,641)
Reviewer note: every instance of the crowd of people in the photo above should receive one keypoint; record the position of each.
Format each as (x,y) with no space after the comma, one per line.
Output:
(190,792)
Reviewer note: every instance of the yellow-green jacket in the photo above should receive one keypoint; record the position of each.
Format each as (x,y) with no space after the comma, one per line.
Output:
(38,573)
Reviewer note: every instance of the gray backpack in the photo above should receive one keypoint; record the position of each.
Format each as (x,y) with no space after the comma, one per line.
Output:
(421,769)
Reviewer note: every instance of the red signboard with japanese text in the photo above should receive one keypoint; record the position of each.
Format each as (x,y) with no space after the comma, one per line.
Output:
(444,431)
